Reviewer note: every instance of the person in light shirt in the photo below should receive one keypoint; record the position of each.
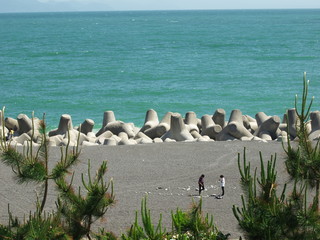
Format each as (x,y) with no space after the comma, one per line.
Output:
(222,184)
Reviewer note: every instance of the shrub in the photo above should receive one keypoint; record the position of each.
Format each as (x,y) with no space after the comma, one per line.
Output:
(75,213)
(266,216)
(190,225)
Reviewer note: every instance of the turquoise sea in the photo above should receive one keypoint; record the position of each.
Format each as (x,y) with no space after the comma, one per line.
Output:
(85,63)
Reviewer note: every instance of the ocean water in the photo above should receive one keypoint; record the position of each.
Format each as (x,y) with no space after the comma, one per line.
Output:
(85,63)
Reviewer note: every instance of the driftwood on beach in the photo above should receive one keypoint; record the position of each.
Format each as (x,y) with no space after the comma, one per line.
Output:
(172,128)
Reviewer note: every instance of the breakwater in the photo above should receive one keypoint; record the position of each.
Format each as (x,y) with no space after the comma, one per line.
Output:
(173,127)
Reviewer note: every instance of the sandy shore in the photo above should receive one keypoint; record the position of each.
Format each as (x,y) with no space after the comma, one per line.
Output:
(167,172)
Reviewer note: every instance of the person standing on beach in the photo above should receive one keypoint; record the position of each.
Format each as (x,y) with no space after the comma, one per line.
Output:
(222,184)
(201,184)
(10,134)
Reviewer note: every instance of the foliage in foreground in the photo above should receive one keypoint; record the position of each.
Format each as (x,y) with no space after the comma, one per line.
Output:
(75,213)
(78,212)
(37,226)
(303,159)
(190,225)
(267,215)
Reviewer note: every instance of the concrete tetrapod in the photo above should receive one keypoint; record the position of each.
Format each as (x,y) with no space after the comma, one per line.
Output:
(151,120)
(261,117)
(65,124)
(269,129)
(11,123)
(191,121)
(86,126)
(115,126)
(178,130)
(24,137)
(196,135)
(25,123)
(118,126)
(235,116)
(108,138)
(110,142)
(25,126)
(292,121)
(55,140)
(209,128)
(108,117)
(235,128)
(125,139)
(102,137)
(246,123)
(161,128)
(3,131)
(250,123)
(315,125)
(219,117)
(72,137)
(142,138)
(3,126)
(283,125)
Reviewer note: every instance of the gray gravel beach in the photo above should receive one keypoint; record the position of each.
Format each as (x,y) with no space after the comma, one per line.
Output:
(166,172)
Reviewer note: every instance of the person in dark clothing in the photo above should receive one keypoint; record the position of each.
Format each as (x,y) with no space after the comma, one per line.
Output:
(201,184)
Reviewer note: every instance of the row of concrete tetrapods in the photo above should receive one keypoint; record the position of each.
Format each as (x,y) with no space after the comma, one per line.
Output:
(172,128)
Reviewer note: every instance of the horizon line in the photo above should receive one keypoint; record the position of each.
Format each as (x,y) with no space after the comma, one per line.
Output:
(158,10)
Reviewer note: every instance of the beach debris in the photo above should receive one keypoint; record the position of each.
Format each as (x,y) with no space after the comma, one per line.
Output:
(184,188)
(216,196)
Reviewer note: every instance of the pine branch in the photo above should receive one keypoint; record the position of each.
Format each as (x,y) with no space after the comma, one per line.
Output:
(32,171)
(80,212)
(63,166)
(12,158)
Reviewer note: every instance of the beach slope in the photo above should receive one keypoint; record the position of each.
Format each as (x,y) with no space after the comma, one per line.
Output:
(166,172)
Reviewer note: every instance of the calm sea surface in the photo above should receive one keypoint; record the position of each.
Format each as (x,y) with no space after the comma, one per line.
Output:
(84,64)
